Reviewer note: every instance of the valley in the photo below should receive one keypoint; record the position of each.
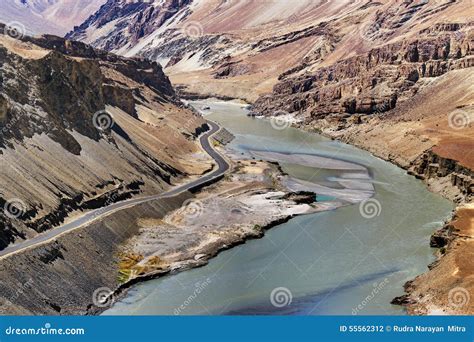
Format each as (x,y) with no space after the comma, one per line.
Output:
(394,78)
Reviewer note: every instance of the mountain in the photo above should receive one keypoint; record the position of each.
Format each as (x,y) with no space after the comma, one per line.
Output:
(335,66)
(232,45)
(81,128)
(47,16)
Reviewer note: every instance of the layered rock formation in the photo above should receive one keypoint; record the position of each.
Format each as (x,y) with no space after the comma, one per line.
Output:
(214,47)
(388,86)
(82,128)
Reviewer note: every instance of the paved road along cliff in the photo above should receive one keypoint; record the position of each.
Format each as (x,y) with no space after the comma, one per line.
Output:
(222,167)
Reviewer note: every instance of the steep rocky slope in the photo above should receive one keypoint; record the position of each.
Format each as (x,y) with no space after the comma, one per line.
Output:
(70,274)
(229,48)
(218,47)
(337,67)
(47,16)
(82,128)
(408,97)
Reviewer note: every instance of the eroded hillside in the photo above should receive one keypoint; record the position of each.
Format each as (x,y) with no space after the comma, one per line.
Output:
(82,128)
(243,48)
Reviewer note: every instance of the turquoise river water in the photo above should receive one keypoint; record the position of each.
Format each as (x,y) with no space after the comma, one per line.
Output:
(334,262)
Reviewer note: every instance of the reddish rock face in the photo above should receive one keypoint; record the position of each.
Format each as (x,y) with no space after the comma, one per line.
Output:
(372,82)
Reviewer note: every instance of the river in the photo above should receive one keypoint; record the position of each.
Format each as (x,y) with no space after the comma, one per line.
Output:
(334,262)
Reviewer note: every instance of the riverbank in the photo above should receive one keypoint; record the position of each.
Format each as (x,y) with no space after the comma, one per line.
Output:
(302,254)
(412,146)
(61,276)
(447,288)
(221,216)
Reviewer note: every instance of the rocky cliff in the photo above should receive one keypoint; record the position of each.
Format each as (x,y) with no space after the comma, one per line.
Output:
(408,98)
(132,21)
(197,40)
(81,128)
(373,82)
(69,275)
(384,90)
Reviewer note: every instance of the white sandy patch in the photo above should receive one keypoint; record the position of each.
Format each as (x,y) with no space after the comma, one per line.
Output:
(270,204)
(349,195)
(289,118)
(308,160)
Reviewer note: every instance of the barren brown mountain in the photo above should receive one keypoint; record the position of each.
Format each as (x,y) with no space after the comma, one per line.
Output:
(82,128)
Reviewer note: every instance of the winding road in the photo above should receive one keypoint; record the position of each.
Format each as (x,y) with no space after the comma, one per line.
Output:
(222,167)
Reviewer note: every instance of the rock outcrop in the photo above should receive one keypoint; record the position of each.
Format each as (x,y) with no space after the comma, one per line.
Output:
(431,166)
(371,83)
